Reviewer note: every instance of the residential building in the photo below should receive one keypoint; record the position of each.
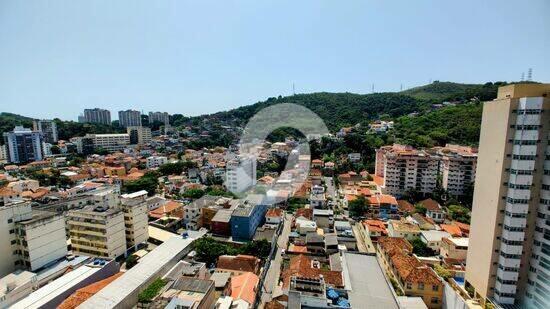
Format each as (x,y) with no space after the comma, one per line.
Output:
(274,216)
(455,248)
(434,211)
(244,287)
(324,218)
(187,292)
(16,286)
(245,220)
(404,229)
(162,117)
(97,115)
(84,145)
(433,238)
(404,168)
(509,250)
(31,239)
(24,145)
(413,277)
(48,129)
(134,206)
(110,142)
(238,264)
(129,118)
(155,161)
(240,174)
(139,135)
(97,231)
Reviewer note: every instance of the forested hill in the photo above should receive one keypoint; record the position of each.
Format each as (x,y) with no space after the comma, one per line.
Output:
(347,109)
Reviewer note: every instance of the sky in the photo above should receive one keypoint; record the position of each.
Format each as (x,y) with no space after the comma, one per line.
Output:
(198,57)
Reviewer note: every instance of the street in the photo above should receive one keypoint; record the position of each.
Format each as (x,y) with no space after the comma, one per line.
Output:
(272,277)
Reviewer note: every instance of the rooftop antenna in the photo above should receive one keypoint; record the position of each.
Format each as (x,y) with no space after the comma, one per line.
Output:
(530,74)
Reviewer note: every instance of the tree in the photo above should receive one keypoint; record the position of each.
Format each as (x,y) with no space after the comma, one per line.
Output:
(459,213)
(358,206)
(258,248)
(442,271)
(420,248)
(55,149)
(131,261)
(149,182)
(194,193)
(209,250)
(419,208)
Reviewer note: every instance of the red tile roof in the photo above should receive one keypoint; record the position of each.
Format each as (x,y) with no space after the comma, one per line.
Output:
(244,287)
(239,263)
(81,295)
(274,212)
(301,266)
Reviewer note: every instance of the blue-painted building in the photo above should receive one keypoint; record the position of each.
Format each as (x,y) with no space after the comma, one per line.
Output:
(245,220)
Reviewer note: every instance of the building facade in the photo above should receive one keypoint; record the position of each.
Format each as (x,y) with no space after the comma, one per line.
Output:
(48,129)
(97,115)
(404,168)
(134,206)
(139,135)
(159,117)
(509,247)
(110,142)
(129,118)
(30,240)
(240,174)
(24,145)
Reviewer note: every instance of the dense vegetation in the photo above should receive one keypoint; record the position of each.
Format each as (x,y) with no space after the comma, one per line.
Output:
(209,250)
(151,291)
(447,91)
(149,182)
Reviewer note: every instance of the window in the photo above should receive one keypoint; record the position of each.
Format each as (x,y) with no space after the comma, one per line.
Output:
(409,286)
(10,221)
(435,287)
(435,300)
(421,286)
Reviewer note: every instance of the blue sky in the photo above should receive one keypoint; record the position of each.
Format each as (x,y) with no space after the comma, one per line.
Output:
(196,57)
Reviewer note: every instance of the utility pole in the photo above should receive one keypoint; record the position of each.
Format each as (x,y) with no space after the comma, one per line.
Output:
(530,74)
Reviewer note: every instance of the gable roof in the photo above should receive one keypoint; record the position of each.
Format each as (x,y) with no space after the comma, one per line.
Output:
(240,262)
(244,286)
(300,266)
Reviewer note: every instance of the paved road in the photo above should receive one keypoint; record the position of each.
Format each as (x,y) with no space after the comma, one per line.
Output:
(272,277)
(331,191)
(363,244)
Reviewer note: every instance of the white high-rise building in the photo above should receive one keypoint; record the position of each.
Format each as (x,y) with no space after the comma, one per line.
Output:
(96,115)
(156,161)
(136,218)
(129,118)
(159,116)
(110,142)
(509,248)
(139,135)
(30,239)
(240,173)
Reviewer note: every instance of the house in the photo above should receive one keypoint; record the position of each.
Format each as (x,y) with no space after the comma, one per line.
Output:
(305,267)
(324,218)
(274,216)
(317,163)
(243,287)
(304,226)
(433,238)
(373,229)
(424,223)
(452,229)
(354,157)
(221,222)
(412,277)
(454,248)
(405,207)
(238,264)
(433,210)
(404,229)
(315,243)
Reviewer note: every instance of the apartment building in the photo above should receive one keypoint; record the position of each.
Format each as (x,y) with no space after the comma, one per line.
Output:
(48,129)
(96,115)
(155,161)
(509,245)
(241,174)
(139,135)
(23,145)
(97,231)
(129,118)
(405,168)
(159,117)
(110,142)
(30,239)
(135,208)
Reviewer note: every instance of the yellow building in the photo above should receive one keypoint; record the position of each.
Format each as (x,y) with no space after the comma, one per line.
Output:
(412,277)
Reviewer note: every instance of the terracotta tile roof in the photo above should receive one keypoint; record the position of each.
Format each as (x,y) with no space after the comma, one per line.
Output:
(297,249)
(304,212)
(410,269)
(81,295)
(378,180)
(404,226)
(430,204)
(451,229)
(405,206)
(375,226)
(171,208)
(274,305)
(394,245)
(240,262)
(244,286)
(274,212)
(8,192)
(301,266)
(465,228)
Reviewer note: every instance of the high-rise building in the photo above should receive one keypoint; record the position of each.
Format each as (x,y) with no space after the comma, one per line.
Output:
(97,115)
(134,206)
(404,168)
(139,135)
(30,239)
(159,116)
(48,129)
(129,118)
(23,145)
(241,173)
(509,248)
